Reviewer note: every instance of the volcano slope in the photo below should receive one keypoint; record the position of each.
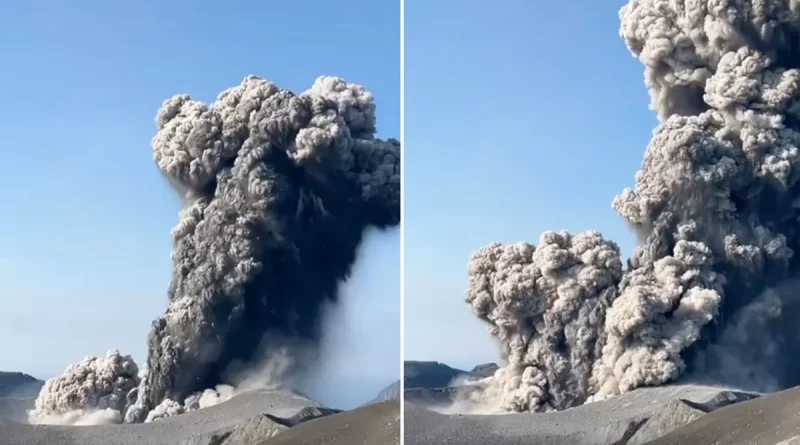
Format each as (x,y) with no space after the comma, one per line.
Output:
(251,418)
(768,420)
(374,424)
(634,418)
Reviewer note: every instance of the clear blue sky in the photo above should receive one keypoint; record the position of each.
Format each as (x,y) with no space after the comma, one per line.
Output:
(520,116)
(84,233)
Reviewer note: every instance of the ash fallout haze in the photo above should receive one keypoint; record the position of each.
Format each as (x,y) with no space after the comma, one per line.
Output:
(201,159)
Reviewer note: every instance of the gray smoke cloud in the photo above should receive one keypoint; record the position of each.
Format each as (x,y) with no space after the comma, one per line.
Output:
(709,292)
(92,391)
(278,189)
(545,305)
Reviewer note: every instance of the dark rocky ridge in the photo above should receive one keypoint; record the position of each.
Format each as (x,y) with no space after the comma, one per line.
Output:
(19,385)
(419,376)
(485,370)
(18,393)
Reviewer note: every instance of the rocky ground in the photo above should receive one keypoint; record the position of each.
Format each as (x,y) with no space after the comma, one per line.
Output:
(258,417)
(631,419)
(769,420)
(669,415)
(377,424)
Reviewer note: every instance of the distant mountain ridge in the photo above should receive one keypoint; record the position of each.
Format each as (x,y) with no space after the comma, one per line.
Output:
(18,393)
(19,385)
(429,375)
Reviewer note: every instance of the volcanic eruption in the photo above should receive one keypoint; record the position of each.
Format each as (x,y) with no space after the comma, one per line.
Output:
(277,191)
(709,293)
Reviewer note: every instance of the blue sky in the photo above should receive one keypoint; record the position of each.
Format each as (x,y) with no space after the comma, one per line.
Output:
(84,237)
(520,117)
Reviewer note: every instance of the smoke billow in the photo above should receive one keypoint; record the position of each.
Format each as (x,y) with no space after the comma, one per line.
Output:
(546,304)
(278,189)
(710,291)
(90,392)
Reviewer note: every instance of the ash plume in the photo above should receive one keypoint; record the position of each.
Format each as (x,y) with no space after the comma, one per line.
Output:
(277,191)
(92,391)
(710,292)
(545,303)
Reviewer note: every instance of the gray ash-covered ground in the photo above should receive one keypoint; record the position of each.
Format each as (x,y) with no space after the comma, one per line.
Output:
(670,414)
(634,418)
(771,420)
(256,417)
